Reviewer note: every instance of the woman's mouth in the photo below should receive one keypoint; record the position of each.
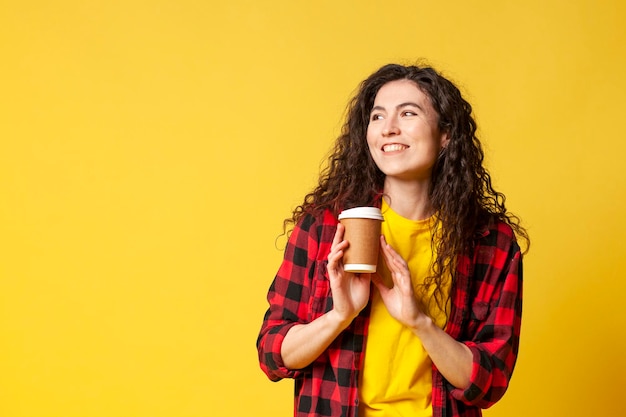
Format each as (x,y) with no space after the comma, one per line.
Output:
(393,147)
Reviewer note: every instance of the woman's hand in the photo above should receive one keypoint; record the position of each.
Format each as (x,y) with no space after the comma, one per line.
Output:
(399,300)
(350,291)
(304,343)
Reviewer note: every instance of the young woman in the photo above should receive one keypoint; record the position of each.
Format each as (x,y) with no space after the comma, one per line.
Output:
(435,332)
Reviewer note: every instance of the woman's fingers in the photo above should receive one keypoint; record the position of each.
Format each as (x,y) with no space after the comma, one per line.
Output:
(338,234)
(397,266)
(389,253)
(393,260)
(336,249)
(380,285)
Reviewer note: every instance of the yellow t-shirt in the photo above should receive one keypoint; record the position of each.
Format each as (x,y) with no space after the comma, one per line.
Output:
(396,379)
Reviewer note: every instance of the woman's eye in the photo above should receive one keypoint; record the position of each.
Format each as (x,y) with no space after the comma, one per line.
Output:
(409,113)
(377,117)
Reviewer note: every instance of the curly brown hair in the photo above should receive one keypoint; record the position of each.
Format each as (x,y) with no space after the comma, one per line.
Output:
(461,191)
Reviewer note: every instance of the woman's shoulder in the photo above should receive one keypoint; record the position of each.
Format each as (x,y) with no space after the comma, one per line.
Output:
(495,231)
(313,233)
(320,224)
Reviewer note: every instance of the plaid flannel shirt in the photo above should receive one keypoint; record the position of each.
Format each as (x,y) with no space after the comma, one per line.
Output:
(486,306)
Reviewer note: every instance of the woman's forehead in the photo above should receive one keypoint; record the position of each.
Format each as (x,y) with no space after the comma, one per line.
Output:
(401,91)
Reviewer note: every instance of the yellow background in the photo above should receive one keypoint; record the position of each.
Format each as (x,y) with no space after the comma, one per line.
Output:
(149,151)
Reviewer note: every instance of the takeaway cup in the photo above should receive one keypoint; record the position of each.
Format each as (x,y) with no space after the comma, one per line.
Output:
(362,231)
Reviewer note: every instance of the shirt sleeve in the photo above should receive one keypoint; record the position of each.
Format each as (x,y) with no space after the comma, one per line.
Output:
(495,318)
(288,296)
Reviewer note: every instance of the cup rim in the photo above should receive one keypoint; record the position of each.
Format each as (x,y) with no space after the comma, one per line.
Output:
(362,213)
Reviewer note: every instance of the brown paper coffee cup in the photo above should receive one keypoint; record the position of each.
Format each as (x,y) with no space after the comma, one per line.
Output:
(363,233)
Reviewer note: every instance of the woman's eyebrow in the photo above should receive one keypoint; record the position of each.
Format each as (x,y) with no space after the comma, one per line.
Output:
(399,106)
(409,103)
(378,108)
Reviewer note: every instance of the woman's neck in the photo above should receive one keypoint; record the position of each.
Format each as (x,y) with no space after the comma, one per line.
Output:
(408,198)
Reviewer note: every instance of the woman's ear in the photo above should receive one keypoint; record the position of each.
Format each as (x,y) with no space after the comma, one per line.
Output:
(444,140)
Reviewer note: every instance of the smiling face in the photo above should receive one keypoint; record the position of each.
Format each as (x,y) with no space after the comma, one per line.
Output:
(403,134)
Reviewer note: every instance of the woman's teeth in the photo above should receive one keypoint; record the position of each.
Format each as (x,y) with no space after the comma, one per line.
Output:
(393,147)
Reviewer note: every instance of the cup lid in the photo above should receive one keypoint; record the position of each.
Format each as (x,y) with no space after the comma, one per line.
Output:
(362,213)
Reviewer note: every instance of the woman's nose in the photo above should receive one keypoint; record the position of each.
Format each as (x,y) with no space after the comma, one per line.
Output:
(391,128)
